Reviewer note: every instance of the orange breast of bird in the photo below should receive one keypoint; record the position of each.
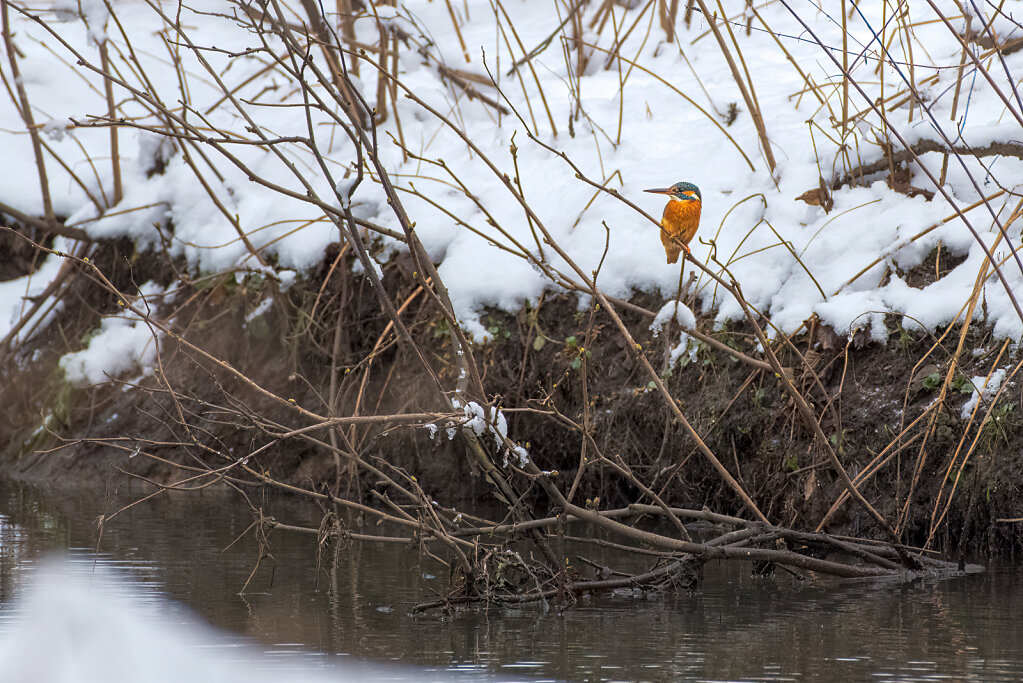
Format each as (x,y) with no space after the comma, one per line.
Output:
(680,221)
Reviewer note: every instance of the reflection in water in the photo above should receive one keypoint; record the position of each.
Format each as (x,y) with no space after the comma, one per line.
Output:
(82,622)
(354,603)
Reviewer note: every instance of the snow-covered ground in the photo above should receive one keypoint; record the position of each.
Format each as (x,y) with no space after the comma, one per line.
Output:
(658,116)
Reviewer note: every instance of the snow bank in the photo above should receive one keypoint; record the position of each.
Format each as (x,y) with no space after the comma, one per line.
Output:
(791,259)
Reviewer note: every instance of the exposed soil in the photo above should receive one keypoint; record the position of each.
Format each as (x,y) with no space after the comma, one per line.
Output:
(555,371)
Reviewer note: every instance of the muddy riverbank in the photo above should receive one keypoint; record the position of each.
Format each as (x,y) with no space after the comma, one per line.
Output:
(894,410)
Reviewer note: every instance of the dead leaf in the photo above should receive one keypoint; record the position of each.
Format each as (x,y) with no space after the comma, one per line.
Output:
(860,338)
(819,196)
(900,180)
(917,383)
(811,197)
(810,486)
(827,337)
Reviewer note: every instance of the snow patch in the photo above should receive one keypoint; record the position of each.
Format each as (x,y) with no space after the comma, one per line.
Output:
(124,343)
(984,389)
(259,310)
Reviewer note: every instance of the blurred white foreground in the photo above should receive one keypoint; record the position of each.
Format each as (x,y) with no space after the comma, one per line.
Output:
(75,623)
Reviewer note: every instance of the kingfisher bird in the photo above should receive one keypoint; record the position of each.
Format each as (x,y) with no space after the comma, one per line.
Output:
(681,217)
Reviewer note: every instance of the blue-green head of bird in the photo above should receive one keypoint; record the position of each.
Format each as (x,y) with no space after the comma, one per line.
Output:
(684,192)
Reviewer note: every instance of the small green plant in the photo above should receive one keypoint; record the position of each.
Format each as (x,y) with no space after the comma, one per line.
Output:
(904,340)
(572,346)
(532,320)
(932,381)
(694,349)
(791,463)
(962,385)
(838,441)
(441,329)
(733,344)
(996,424)
(497,329)
(758,397)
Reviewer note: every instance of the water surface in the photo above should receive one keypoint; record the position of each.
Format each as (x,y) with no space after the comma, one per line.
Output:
(314,611)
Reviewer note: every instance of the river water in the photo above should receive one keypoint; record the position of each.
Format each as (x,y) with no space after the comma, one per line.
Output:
(301,616)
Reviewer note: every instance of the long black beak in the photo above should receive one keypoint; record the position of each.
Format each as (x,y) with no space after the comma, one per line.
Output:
(660,190)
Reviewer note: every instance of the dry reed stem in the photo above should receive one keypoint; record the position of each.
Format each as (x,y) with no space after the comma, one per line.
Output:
(527,58)
(346,14)
(955,96)
(845,72)
(517,73)
(669,29)
(936,519)
(458,30)
(115,155)
(751,104)
(21,103)
(338,69)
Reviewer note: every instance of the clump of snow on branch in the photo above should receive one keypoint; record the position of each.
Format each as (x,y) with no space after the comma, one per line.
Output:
(482,423)
(496,424)
(683,317)
(344,191)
